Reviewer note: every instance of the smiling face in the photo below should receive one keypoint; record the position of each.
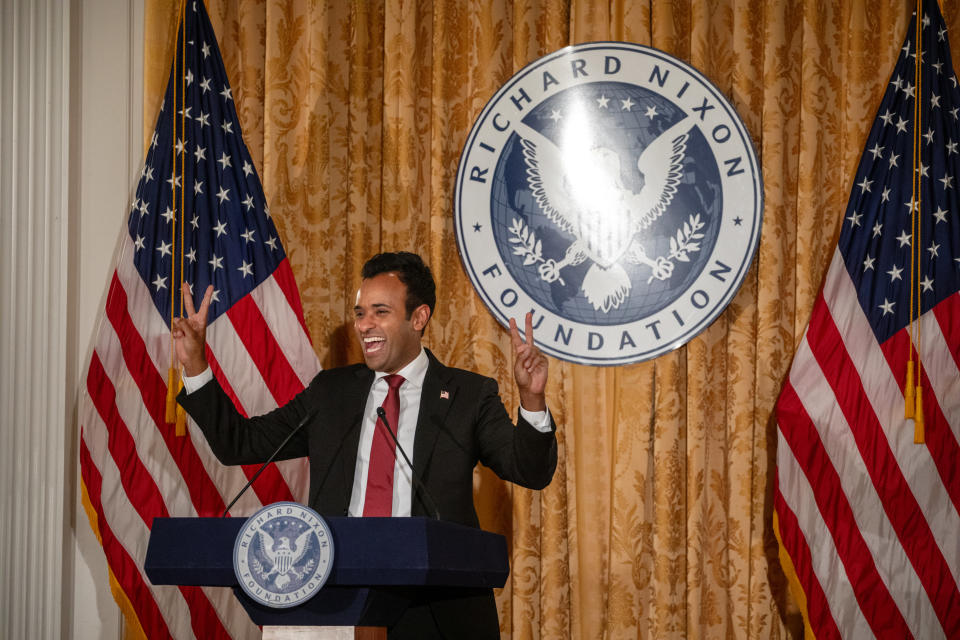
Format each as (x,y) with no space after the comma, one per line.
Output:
(389,339)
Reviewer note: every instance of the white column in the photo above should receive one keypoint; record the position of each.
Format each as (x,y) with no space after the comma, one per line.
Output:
(34,227)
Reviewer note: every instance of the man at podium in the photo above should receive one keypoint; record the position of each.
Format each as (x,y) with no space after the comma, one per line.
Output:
(448,419)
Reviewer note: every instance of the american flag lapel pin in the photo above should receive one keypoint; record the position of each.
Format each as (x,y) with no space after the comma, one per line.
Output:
(444,395)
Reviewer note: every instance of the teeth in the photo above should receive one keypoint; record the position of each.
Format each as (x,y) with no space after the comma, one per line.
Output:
(369,340)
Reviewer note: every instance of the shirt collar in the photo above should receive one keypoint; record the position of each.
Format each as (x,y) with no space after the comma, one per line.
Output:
(414,372)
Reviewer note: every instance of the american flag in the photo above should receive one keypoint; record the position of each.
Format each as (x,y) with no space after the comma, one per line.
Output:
(868,519)
(199,214)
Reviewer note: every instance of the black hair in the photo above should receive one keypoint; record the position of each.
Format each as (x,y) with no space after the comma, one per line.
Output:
(412,271)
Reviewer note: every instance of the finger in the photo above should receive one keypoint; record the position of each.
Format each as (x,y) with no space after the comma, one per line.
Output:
(520,355)
(540,362)
(187,298)
(534,360)
(521,351)
(177,329)
(182,329)
(515,335)
(528,330)
(205,305)
(528,360)
(531,359)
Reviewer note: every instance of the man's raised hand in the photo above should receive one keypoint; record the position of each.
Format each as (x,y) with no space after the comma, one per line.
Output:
(190,333)
(529,367)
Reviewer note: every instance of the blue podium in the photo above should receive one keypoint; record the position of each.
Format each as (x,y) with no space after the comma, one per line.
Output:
(378,565)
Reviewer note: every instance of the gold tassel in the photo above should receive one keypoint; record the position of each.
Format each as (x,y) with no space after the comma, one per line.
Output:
(173,382)
(181,421)
(909,398)
(918,431)
(181,412)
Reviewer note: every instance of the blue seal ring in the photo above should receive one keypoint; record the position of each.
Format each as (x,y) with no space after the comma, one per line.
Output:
(283,555)
(614,191)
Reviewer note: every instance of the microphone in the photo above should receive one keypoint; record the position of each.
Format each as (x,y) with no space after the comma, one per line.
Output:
(297,428)
(413,473)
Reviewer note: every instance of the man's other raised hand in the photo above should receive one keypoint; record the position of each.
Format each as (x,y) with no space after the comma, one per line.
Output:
(190,332)
(529,367)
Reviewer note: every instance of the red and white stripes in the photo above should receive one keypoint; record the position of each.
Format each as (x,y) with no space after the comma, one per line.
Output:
(867,515)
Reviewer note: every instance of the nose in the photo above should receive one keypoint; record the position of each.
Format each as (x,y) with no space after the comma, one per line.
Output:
(363,323)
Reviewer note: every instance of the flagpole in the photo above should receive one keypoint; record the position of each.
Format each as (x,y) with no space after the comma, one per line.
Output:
(909,405)
(179,218)
(173,373)
(915,404)
(911,389)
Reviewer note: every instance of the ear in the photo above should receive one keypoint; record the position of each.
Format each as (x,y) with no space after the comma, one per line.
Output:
(420,317)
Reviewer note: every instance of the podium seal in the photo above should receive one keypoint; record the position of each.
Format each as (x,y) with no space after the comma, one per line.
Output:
(612,190)
(283,555)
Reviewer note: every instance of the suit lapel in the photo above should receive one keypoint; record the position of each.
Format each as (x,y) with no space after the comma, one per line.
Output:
(435,401)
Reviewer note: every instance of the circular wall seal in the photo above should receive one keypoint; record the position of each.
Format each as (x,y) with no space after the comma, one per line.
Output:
(283,554)
(613,191)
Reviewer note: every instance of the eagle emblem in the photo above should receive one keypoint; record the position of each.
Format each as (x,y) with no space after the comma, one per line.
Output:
(579,189)
(284,556)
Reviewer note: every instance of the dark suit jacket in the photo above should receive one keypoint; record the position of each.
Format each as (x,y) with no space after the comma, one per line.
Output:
(461,421)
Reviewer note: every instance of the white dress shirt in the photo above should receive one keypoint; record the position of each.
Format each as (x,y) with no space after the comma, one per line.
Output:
(413,374)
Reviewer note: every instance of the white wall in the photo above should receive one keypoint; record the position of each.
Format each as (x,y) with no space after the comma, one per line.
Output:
(108,152)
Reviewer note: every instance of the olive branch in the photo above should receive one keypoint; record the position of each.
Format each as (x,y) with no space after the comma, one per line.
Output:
(686,240)
(526,244)
(257,567)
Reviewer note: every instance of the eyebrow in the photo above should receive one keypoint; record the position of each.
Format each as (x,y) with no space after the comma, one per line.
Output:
(375,305)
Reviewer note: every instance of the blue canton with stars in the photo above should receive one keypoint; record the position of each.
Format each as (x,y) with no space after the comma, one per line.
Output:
(876,238)
(229,239)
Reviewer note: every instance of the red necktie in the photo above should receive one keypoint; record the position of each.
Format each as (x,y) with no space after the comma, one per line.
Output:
(383,455)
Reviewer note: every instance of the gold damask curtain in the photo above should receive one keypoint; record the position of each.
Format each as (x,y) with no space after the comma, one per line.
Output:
(658,522)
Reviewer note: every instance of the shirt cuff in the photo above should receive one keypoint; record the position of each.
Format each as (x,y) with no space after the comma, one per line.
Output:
(539,420)
(192,383)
